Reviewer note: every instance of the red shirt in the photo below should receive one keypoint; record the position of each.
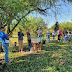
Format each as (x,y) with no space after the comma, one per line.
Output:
(60,32)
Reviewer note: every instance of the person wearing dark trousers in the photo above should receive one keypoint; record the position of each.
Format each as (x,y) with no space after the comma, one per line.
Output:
(29,39)
(5,44)
(59,34)
(39,32)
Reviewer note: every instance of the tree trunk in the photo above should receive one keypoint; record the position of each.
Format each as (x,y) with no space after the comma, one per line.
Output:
(0,24)
(8,29)
(18,22)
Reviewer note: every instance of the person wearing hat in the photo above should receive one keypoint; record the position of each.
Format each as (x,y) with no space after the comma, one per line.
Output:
(48,35)
(5,44)
(39,32)
(20,39)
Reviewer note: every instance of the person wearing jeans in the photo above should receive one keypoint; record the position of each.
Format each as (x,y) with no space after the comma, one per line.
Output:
(5,44)
(53,34)
(48,35)
(39,32)
(6,50)
(57,33)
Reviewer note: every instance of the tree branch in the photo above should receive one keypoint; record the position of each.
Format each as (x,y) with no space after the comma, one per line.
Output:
(19,22)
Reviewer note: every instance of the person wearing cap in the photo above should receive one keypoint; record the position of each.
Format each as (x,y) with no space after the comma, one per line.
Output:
(20,39)
(5,44)
(29,39)
(48,35)
(39,32)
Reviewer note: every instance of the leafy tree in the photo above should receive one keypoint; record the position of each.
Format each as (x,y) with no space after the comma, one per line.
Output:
(67,26)
(32,23)
(19,9)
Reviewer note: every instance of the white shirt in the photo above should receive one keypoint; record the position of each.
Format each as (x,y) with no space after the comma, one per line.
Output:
(53,33)
(39,32)
(70,35)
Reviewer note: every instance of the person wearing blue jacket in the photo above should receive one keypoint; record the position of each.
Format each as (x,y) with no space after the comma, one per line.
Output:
(20,39)
(66,37)
(5,44)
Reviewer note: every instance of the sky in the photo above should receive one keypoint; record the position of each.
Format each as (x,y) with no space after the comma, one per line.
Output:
(63,14)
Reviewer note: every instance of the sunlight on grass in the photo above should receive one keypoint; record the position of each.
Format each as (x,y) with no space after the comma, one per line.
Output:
(64,45)
(20,61)
(15,39)
(54,57)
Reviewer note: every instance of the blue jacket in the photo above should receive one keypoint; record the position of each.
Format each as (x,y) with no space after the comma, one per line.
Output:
(3,36)
(20,36)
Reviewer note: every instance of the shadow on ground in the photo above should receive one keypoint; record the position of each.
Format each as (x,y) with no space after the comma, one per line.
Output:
(56,57)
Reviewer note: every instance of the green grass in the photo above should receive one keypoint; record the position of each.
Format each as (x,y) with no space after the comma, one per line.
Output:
(55,57)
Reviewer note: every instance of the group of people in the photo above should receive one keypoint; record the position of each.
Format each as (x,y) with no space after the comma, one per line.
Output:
(64,34)
(60,34)
(5,39)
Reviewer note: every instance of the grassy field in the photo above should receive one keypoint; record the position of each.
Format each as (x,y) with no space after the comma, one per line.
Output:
(54,57)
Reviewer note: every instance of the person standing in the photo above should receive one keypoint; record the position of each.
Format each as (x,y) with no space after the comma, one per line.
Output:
(29,39)
(53,34)
(39,32)
(20,39)
(48,35)
(59,34)
(5,44)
